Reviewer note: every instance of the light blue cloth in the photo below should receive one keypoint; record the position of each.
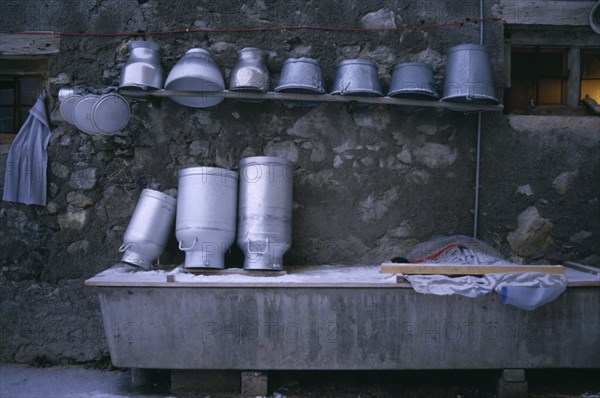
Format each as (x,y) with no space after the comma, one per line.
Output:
(524,290)
(25,178)
(529,298)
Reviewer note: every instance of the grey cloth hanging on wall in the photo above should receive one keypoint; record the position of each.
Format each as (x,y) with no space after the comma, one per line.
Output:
(25,178)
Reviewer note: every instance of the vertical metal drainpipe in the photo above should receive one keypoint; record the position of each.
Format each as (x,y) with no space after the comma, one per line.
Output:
(478,161)
(477,168)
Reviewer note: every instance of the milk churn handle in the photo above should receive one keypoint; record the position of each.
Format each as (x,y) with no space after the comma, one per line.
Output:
(187,248)
(257,252)
(125,246)
(470,95)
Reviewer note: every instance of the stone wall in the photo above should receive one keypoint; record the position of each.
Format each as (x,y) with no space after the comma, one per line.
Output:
(369,182)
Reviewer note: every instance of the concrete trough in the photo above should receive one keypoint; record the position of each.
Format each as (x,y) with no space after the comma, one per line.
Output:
(333,317)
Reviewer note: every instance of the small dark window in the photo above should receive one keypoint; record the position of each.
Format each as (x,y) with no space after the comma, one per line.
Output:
(22,79)
(538,78)
(17,95)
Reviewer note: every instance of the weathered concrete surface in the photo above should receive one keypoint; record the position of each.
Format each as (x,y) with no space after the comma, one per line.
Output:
(344,328)
(369,184)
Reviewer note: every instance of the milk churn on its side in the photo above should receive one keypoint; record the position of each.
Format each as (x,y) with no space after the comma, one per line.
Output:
(148,231)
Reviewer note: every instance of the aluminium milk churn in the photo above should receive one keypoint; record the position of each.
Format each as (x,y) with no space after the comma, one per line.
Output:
(265,211)
(149,228)
(206,215)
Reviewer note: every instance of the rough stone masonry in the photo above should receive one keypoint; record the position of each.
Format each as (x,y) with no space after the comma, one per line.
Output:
(370,182)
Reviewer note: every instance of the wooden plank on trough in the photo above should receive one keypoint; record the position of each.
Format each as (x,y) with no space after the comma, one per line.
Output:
(29,43)
(583,267)
(580,275)
(464,269)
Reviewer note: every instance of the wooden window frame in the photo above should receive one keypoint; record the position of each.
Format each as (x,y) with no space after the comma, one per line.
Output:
(574,39)
(585,52)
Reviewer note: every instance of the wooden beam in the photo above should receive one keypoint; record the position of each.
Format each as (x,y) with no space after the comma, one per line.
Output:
(455,106)
(541,12)
(574,83)
(29,43)
(462,269)
(507,65)
(24,65)
(552,36)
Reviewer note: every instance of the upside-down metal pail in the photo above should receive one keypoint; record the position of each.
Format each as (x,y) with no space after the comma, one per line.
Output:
(301,76)
(468,76)
(413,80)
(196,71)
(250,71)
(357,77)
(265,211)
(149,228)
(206,215)
(142,71)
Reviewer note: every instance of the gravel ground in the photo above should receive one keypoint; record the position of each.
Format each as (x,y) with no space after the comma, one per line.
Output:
(80,382)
